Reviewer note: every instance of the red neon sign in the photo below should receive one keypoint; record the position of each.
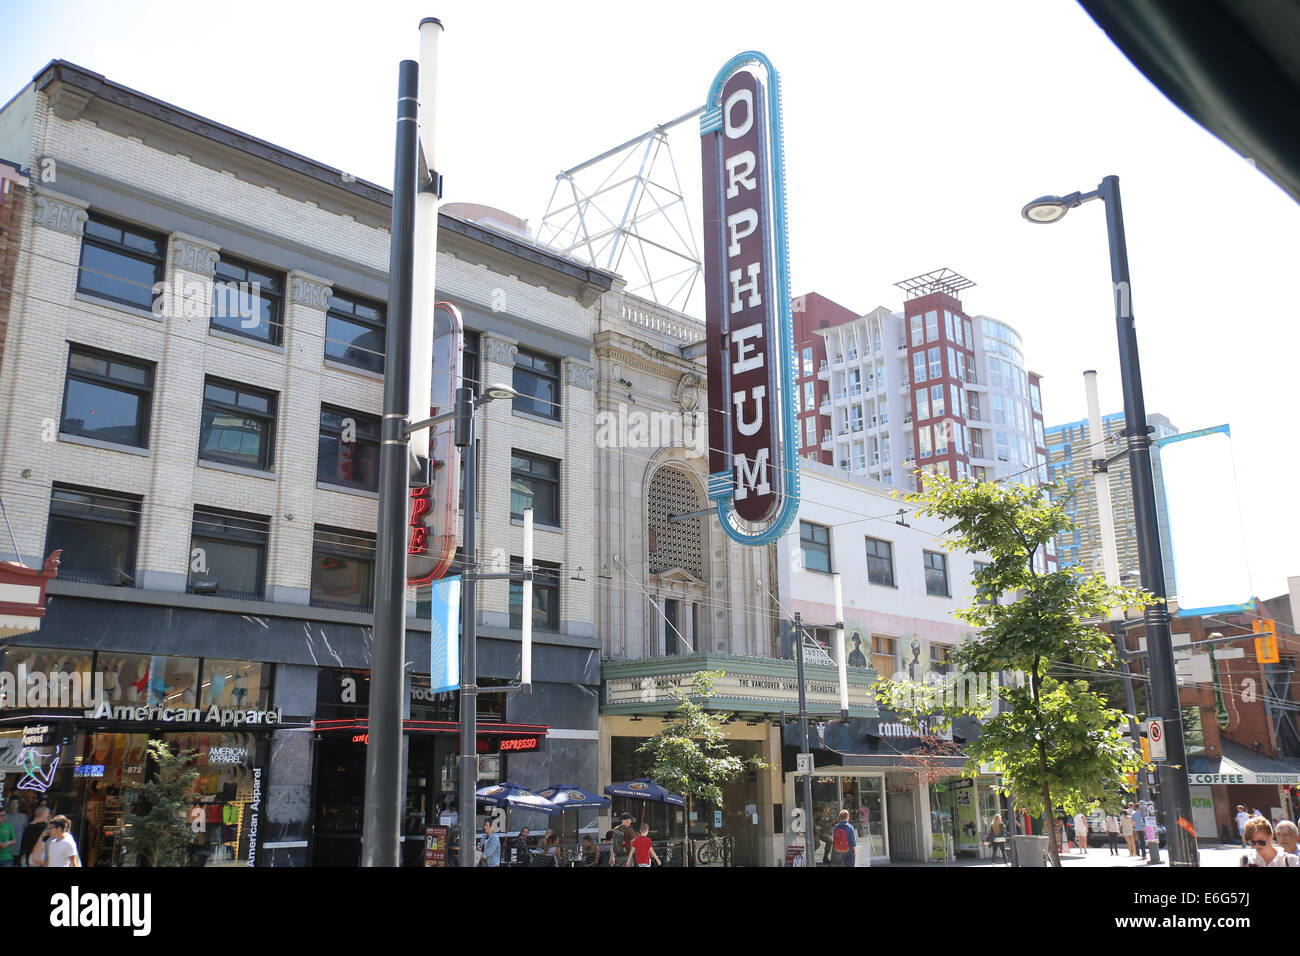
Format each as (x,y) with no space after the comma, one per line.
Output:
(521,743)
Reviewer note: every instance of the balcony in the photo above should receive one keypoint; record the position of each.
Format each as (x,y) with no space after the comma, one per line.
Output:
(857,425)
(825,406)
(902,346)
(855,388)
(824,371)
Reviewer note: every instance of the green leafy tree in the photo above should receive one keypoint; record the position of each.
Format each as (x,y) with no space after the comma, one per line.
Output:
(1055,741)
(689,754)
(160,835)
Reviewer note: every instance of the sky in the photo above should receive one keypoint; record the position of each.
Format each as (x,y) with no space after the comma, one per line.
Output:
(914,134)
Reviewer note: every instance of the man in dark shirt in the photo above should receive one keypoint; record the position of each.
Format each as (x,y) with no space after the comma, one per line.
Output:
(33,833)
(624,834)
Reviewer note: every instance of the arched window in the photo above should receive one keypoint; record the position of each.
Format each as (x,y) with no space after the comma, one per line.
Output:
(675,544)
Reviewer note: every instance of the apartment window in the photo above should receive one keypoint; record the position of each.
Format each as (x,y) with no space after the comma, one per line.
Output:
(880,562)
(107,398)
(936,401)
(248,300)
(537,380)
(1036,398)
(952,361)
(936,573)
(979,472)
(815,545)
(961,366)
(810,430)
(238,425)
(808,396)
(807,361)
(97,532)
(918,366)
(120,263)
(957,330)
(546,596)
(970,333)
(535,483)
(342,569)
(228,554)
(936,362)
(354,332)
(922,404)
(939,658)
(348,449)
(931,326)
(923,440)
(884,654)
(918,333)
(975,406)
(798,405)
(982,594)
(942,432)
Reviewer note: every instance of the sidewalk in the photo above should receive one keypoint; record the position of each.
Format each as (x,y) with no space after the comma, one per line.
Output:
(1211,854)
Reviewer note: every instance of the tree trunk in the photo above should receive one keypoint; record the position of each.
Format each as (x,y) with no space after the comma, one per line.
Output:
(1053,841)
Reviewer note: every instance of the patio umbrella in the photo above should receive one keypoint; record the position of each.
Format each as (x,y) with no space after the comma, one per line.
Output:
(567,798)
(514,797)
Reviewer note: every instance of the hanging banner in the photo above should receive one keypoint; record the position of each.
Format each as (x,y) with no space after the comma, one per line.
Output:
(1205,530)
(434,512)
(444,635)
(753,457)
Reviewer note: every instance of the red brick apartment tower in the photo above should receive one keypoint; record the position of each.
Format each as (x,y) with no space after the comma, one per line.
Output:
(812,379)
(940,366)
(13,204)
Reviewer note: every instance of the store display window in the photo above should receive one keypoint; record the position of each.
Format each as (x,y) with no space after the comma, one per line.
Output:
(220,814)
(149,680)
(239,685)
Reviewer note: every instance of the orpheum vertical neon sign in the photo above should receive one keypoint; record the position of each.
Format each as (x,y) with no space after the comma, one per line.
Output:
(433,517)
(753,457)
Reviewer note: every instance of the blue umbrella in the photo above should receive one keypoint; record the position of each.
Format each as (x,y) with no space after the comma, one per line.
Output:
(644,789)
(567,798)
(514,797)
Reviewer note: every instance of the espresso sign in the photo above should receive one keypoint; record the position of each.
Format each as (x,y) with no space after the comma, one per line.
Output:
(753,468)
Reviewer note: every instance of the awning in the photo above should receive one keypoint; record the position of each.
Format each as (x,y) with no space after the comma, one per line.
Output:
(882,742)
(1241,765)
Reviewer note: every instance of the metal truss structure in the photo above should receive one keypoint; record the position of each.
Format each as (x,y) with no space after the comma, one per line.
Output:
(624,211)
(941,280)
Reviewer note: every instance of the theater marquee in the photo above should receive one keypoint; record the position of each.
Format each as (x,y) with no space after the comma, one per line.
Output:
(753,457)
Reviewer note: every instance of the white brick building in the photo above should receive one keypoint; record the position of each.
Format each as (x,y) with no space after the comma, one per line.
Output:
(260,597)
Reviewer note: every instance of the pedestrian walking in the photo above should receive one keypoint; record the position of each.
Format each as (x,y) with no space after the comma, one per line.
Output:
(1139,815)
(31,851)
(1259,836)
(1287,835)
(624,834)
(18,820)
(491,846)
(844,841)
(61,848)
(997,838)
(1081,831)
(1242,819)
(523,855)
(643,850)
(1126,830)
(7,839)
(1112,833)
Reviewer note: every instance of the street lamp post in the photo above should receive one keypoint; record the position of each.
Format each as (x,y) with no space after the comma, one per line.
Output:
(1176,801)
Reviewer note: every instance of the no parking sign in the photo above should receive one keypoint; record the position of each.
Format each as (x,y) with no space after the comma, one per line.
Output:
(1156,736)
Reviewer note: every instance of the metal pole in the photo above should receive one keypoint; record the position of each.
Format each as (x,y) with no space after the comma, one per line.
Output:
(1144,793)
(380,842)
(1175,795)
(808,848)
(468,651)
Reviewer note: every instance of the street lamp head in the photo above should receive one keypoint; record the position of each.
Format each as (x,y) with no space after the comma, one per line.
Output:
(497,391)
(1048,208)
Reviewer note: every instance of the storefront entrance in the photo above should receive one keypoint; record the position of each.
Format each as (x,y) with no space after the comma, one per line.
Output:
(863,797)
